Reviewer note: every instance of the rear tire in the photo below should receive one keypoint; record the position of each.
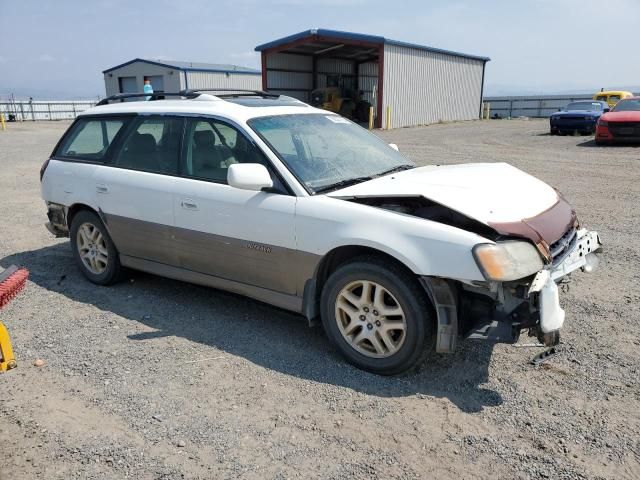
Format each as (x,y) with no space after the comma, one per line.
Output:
(377,315)
(93,249)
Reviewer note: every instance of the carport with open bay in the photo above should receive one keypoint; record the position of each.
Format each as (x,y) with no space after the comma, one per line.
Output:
(406,84)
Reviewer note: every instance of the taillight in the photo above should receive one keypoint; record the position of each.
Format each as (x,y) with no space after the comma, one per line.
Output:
(43,168)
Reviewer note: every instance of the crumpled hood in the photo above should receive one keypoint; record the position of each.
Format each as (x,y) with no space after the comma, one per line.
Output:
(490,193)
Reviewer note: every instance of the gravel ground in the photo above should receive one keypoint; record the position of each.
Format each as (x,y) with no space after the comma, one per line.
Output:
(154,378)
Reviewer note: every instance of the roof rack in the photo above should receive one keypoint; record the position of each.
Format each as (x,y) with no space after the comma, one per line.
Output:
(154,96)
(190,93)
(229,92)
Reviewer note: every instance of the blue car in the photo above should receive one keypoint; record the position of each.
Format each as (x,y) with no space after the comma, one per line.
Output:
(579,117)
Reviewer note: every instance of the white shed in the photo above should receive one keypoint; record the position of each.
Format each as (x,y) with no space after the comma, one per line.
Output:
(173,76)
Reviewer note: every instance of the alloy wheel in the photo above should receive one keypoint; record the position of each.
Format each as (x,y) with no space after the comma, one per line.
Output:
(92,248)
(370,319)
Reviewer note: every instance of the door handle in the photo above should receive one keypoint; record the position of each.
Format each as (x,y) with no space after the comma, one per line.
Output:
(189,204)
(102,188)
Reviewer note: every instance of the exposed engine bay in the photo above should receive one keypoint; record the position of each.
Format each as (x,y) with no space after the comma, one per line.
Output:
(430,210)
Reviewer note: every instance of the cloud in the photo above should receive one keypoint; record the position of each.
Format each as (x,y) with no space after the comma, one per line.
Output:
(45,57)
(3,59)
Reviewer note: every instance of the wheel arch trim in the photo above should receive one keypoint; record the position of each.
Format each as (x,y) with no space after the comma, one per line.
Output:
(78,207)
(329,262)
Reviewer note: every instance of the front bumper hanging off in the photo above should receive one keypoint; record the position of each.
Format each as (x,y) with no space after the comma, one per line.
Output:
(582,255)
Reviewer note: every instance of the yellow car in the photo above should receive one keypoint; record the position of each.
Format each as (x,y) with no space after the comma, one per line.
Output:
(611,96)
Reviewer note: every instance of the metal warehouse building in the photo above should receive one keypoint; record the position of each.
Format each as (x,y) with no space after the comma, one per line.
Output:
(413,84)
(173,76)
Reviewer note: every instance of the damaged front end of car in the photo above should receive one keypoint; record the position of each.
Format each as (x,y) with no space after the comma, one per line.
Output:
(522,263)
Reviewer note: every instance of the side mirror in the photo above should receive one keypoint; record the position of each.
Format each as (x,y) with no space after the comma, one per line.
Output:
(606,110)
(394,146)
(249,176)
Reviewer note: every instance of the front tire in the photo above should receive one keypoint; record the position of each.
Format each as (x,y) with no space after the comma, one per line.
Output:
(377,316)
(93,249)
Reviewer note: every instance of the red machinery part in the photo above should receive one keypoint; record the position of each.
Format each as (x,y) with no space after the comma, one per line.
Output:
(12,281)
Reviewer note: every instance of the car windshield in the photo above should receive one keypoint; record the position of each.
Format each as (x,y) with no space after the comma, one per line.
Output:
(584,106)
(326,152)
(629,105)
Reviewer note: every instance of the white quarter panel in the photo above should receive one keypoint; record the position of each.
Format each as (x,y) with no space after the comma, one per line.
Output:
(427,248)
(68,183)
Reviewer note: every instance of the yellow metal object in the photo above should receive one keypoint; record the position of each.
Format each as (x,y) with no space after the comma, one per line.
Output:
(389,117)
(332,99)
(370,118)
(7,362)
(612,96)
(4,126)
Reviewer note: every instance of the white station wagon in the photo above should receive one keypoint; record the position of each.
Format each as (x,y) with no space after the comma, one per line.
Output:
(265,196)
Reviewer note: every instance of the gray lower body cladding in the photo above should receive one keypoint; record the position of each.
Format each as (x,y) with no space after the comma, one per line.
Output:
(280,270)
(278,299)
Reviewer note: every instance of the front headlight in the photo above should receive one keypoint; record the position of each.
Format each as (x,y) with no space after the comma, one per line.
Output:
(506,261)
(603,123)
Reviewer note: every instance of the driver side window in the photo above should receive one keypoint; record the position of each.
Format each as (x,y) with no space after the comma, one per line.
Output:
(211,147)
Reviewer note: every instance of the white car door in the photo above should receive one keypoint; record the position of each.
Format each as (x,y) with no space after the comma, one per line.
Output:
(239,235)
(135,190)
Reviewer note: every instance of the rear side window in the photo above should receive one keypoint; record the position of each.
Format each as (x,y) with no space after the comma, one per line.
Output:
(89,139)
(152,145)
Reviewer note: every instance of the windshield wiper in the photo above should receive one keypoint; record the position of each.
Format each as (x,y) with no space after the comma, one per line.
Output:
(399,168)
(341,184)
(353,181)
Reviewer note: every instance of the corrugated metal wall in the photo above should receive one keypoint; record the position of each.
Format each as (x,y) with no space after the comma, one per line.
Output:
(223,80)
(171,77)
(424,87)
(174,80)
(368,82)
(290,75)
(333,66)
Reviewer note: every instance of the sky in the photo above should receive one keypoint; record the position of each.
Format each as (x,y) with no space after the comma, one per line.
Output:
(59,48)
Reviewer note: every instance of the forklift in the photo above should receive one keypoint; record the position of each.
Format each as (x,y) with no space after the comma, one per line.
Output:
(341,96)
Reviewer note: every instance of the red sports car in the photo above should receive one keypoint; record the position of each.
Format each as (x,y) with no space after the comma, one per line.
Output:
(622,123)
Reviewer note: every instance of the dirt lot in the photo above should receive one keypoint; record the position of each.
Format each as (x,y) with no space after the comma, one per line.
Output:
(154,378)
